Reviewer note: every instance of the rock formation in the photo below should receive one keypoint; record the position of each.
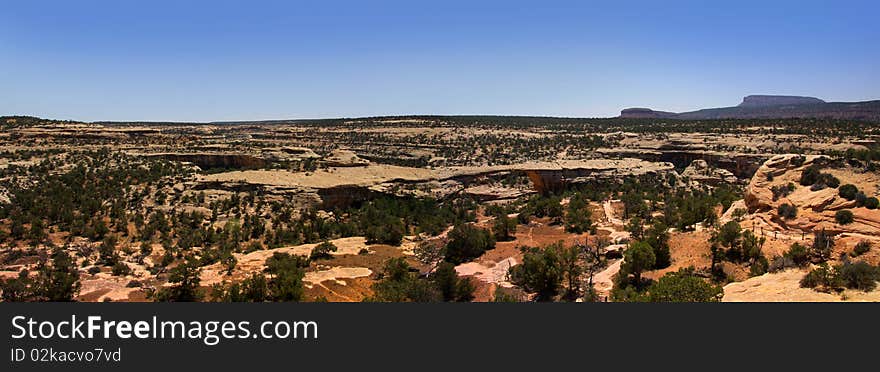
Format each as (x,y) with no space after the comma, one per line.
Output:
(700,171)
(815,208)
(344,158)
(645,113)
(767,100)
(215,160)
(771,107)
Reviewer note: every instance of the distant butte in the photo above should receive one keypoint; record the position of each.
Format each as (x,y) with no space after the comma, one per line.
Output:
(771,107)
(765,101)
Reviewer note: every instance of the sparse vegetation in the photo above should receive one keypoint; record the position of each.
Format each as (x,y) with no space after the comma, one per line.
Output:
(844,217)
(782,191)
(398,283)
(814,177)
(684,286)
(861,248)
(115,212)
(848,191)
(787,211)
(504,228)
(56,279)
(859,276)
(322,251)
(467,242)
(542,271)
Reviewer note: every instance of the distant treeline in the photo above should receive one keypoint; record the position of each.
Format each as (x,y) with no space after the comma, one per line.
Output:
(8,122)
(816,126)
(596,125)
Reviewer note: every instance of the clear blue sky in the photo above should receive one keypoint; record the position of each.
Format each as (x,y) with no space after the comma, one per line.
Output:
(225,60)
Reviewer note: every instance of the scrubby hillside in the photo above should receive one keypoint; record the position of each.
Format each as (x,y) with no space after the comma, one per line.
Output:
(781,182)
(820,220)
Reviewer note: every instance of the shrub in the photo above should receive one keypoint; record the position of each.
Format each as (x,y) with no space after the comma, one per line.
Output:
(810,175)
(450,286)
(848,191)
(859,275)
(467,242)
(541,206)
(322,251)
(252,289)
(760,267)
(823,243)
(830,180)
(822,276)
(120,268)
(782,191)
(390,231)
(398,283)
(787,211)
(540,272)
(860,199)
(504,228)
(58,281)
(684,286)
(798,254)
(254,246)
(286,274)
(638,258)
(94,270)
(578,218)
(739,213)
(813,177)
(872,203)
(844,217)
(861,248)
(146,249)
(507,295)
(185,279)
(106,250)
(657,236)
(729,234)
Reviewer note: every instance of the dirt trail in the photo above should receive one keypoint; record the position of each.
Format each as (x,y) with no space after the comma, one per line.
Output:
(603,281)
(609,213)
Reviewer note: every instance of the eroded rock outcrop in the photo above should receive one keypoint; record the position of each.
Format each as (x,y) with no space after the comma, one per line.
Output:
(339,186)
(779,171)
(700,171)
(816,209)
(741,165)
(215,160)
(345,158)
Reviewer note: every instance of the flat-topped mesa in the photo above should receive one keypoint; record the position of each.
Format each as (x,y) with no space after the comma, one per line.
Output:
(770,107)
(761,100)
(644,113)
